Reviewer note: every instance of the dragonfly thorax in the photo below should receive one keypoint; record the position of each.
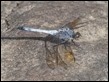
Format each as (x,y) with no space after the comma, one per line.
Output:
(65,34)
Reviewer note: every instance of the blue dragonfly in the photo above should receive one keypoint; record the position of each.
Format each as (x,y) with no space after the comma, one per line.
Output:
(61,53)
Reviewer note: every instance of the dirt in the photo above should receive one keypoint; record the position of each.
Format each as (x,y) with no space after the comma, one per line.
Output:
(23,60)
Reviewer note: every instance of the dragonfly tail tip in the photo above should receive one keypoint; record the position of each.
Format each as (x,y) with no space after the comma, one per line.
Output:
(20,27)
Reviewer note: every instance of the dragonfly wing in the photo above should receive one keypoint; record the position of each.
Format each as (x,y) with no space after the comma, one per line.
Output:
(66,54)
(59,60)
(50,58)
(75,24)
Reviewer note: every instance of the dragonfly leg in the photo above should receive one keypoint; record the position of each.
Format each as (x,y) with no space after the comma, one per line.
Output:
(76,44)
(57,45)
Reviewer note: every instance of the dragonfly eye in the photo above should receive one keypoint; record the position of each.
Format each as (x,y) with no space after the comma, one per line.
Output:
(77,35)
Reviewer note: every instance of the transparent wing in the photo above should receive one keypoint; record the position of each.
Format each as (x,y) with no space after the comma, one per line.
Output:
(66,54)
(59,60)
(50,58)
(59,55)
(53,57)
(75,24)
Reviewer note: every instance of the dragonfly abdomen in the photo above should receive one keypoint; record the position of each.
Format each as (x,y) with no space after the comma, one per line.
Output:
(38,30)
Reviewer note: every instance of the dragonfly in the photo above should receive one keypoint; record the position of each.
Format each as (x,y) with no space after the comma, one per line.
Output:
(61,54)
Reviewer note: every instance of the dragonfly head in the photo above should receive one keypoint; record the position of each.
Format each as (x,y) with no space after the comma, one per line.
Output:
(77,35)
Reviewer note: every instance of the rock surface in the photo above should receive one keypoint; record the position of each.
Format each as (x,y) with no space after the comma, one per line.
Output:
(23,60)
